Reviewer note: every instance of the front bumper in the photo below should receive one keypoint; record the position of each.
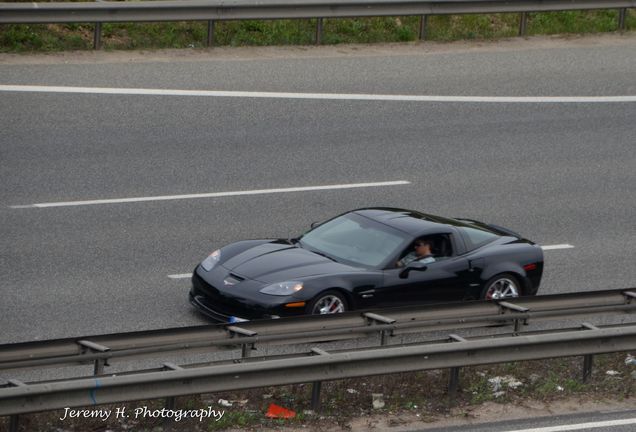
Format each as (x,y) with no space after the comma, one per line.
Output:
(221,306)
(202,306)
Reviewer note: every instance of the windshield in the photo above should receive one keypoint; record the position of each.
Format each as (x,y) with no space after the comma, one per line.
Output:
(355,239)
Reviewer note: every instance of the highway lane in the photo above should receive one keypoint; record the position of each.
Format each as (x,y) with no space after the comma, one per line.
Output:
(558,173)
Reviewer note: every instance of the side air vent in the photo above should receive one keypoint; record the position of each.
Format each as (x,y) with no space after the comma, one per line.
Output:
(232,279)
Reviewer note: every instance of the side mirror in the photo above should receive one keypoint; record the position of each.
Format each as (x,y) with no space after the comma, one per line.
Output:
(314,224)
(412,266)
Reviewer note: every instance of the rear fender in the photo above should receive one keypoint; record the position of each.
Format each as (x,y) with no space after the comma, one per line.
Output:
(508,267)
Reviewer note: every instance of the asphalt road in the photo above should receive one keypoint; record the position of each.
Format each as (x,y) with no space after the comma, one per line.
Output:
(613,421)
(556,172)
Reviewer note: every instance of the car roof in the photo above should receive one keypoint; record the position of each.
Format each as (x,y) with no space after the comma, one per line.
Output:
(410,221)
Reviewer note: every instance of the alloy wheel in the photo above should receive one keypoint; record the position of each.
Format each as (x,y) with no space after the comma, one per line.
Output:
(329,304)
(502,288)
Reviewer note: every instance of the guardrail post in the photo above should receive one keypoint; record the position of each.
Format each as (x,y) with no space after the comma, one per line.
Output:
(315,395)
(373,318)
(316,385)
(516,321)
(210,33)
(245,350)
(453,383)
(14,423)
(98,368)
(629,296)
(14,420)
(93,347)
(318,31)
(168,421)
(97,38)
(523,23)
(453,380)
(588,363)
(621,19)
(423,27)
(588,360)
(246,347)
(170,401)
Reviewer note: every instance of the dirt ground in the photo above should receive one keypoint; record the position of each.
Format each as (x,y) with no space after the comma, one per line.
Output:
(312,51)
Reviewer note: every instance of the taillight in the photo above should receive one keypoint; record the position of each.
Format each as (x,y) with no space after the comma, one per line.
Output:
(529,267)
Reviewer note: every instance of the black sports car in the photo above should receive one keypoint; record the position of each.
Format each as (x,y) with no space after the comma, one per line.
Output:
(363,259)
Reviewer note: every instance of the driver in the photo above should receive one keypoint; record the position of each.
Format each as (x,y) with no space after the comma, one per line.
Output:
(422,253)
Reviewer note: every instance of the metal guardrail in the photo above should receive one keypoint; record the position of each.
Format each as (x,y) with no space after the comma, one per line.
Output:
(106,349)
(170,380)
(23,398)
(224,10)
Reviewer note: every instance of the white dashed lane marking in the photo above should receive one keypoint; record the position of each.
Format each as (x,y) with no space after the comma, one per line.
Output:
(214,194)
(180,276)
(557,246)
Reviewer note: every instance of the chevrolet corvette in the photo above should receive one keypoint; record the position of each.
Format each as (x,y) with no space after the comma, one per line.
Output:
(356,261)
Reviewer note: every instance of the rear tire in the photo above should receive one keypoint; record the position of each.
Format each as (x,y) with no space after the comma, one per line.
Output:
(501,286)
(327,302)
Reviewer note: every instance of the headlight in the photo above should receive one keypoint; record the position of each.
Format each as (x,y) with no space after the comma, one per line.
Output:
(211,261)
(283,288)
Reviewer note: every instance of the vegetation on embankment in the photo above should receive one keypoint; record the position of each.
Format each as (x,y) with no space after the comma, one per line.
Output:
(122,36)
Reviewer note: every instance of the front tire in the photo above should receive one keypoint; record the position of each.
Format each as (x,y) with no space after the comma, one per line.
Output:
(328,302)
(501,286)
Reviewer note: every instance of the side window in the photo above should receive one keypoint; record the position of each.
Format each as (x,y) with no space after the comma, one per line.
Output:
(474,237)
(440,247)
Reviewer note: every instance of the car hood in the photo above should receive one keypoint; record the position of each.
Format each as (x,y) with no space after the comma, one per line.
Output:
(275,262)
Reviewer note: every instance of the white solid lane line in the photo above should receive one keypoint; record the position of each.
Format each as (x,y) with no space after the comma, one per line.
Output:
(574,427)
(214,194)
(321,96)
(548,247)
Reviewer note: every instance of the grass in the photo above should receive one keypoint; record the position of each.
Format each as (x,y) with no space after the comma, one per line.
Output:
(122,36)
